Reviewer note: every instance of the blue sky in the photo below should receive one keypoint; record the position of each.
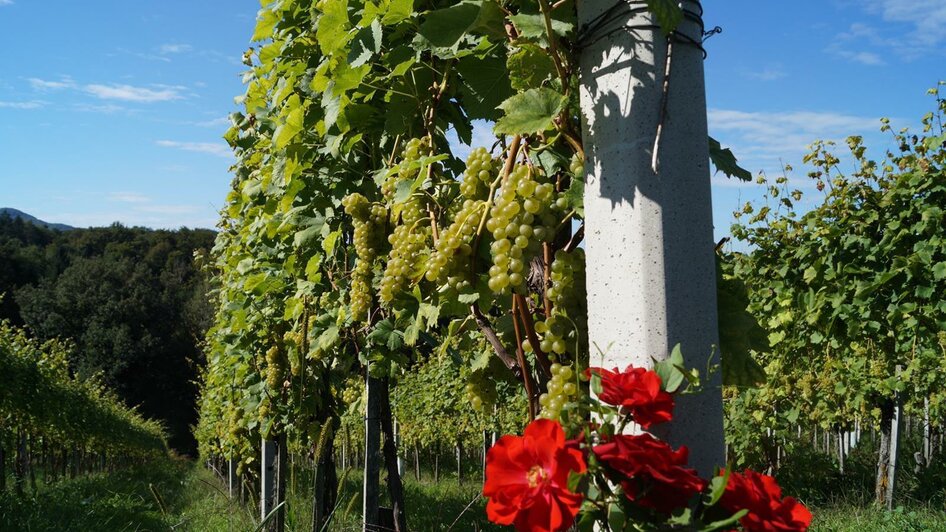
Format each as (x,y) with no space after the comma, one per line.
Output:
(113,110)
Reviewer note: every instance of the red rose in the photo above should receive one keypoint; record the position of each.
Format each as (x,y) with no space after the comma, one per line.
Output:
(527,479)
(655,478)
(768,511)
(638,391)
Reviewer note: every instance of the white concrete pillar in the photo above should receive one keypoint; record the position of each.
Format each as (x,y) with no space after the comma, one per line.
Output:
(267,478)
(232,481)
(649,236)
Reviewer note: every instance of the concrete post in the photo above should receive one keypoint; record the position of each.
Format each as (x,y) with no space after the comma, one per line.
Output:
(267,477)
(372,471)
(896,424)
(232,482)
(649,236)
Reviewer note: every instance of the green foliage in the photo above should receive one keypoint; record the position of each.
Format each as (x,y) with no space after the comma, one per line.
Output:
(39,396)
(353,237)
(848,291)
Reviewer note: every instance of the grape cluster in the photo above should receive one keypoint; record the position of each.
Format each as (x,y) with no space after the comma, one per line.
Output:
(562,389)
(406,249)
(453,244)
(454,241)
(480,391)
(577,166)
(293,342)
(566,293)
(568,279)
(353,391)
(480,171)
(406,169)
(367,219)
(275,368)
(520,220)
(409,238)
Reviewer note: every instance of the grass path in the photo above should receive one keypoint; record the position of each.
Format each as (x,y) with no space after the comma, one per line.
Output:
(183,496)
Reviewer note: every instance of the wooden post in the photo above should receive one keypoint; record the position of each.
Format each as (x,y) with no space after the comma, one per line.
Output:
(649,224)
(891,423)
(370,500)
(392,460)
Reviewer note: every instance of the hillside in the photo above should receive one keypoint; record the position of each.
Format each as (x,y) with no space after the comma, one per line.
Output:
(15,213)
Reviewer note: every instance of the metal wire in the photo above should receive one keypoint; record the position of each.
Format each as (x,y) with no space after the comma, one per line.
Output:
(590,33)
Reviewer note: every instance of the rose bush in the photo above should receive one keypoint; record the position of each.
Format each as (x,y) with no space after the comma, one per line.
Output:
(605,479)
(637,391)
(527,479)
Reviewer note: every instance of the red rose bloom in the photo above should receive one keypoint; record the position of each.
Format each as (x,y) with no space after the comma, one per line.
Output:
(768,511)
(655,476)
(636,390)
(527,479)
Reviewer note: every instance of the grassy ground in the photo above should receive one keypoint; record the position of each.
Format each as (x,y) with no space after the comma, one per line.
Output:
(169,495)
(873,519)
(179,495)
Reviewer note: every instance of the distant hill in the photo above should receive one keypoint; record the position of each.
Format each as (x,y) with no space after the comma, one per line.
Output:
(14,213)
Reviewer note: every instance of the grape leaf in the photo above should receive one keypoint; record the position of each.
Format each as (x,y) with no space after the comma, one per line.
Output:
(485,85)
(725,161)
(667,12)
(529,112)
(533,26)
(529,67)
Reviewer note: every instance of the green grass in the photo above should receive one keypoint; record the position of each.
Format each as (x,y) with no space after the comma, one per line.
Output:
(849,518)
(193,499)
(128,500)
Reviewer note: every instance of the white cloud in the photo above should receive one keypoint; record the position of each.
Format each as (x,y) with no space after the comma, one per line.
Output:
(34,104)
(216,122)
(762,141)
(927,18)
(864,58)
(108,108)
(169,209)
(6,2)
(769,73)
(46,85)
(128,197)
(130,93)
(212,148)
(175,48)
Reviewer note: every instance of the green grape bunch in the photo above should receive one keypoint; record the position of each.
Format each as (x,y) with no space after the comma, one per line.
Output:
(557,332)
(521,218)
(368,219)
(449,263)
(480,391)
(275,368)
(562,389)
(406,169)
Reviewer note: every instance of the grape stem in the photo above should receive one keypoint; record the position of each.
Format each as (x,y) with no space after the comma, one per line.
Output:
(575,239)
(521,356)
(529,326)
(510,162)
(546,276)
(494,340)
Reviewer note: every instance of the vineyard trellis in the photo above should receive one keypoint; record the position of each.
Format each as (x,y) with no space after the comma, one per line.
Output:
(355,244)
(59,424)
